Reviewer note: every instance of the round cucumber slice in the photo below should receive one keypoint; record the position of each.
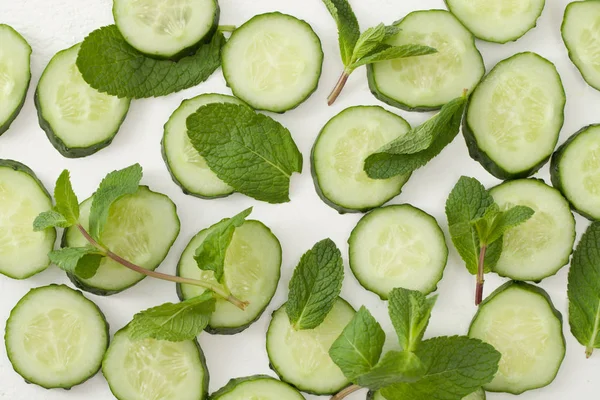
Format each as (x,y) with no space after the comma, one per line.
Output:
(427,83)
(515,115)
(339,154)
(141,228)
(186,166)
(257,387)
(497,21)
(55,337)
(155,369)
(166,28)
(77,119)
(23,252)
(541,246)
(575,171)
(273,62)
(478,395)
(580,29)
(301,358)
(398,246)
(520,321)
(15,74)
(251,273)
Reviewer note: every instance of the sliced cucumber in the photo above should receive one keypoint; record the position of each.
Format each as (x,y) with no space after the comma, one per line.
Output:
(77,119)
(520,321)
(273,62)
(339,154)
(257,387)
(252,271)
(55,337)
(515,115)
(155,369)
(398,246)
(166,28)
(427,83)
(301,358)
(497,21)
(575,171)
(141,228)
(186,166)
(23,252)
(581,34)
(15,74)
(478,395)
(540,247)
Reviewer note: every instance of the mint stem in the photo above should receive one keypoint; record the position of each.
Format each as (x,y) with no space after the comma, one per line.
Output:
(227,28)
(338,87)
(159,275)
(480,280)
(346,392)
(589,351)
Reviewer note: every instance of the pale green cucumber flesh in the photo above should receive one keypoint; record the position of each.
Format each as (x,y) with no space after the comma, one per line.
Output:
(257,387)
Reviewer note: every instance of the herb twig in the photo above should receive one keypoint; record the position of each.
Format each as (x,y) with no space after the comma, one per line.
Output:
(480,274)
(346,392)
(338,87)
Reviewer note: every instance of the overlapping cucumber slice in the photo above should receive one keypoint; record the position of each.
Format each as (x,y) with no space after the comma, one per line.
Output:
(257,387)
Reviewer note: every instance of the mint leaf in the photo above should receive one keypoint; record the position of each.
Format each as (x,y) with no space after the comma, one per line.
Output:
(584,290)
(419,146)
(348,28)
(368,42)
(410,311)
(66,200)
(210,255)
(495,223)
(315,285)
(116,185)
(49,219)
(385,53)
(110,65)
(174,322)
(394,367)
(455,367)
(357,350)
(80,261)
(251,152)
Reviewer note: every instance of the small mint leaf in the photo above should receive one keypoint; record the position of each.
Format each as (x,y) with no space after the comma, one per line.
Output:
(50,219)
(80,261)
(66,200)
(410,312)
(348,28)
(392,53)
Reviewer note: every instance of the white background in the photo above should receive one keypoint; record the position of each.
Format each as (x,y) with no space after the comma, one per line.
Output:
(52,25)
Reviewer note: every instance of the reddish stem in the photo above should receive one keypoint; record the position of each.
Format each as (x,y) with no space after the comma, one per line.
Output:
(338,88)
(480,279)
(346,392)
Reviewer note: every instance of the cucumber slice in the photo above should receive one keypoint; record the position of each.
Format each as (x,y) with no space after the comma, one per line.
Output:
(497,21)
(23,252)
(540,247)
(141,228)
(398,246)
(580,29)
(427,83)
(55,337)
(15,74)
(520,321)
(339,153)
(252,271)
(186,166)
(273,62)
(166,28)
(515,115)
(478,395)
(155,369)
(77,119)
(257,387)
(575,171)
(301,358)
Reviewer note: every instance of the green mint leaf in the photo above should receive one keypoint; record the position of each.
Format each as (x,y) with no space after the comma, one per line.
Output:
(251,152)
(66,200)
(392,53)
(394,367)
(348,28)
(504,221)
(368,42)
(113,187)
(391,31)
(210,255)
(419,146)
(110,65)
(174,322)
(584,290)
(50,219)
(358,349)
(455,367)
(80,261)
(315,285)
(410,311)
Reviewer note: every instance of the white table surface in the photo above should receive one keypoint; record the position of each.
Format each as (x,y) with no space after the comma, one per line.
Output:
(52,25)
